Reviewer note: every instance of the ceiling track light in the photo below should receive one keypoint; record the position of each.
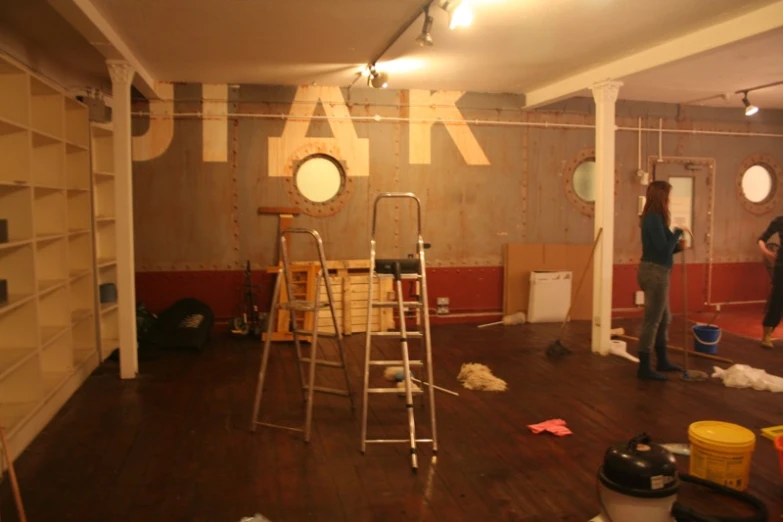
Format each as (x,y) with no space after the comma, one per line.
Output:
(750,109)
(377,80)
(425,38)
(460,14)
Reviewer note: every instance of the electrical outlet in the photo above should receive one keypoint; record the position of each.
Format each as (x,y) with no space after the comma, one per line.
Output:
(443,301)
(442,310)
(638,298)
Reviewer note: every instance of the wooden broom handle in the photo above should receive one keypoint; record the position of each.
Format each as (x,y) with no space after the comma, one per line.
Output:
(582,279)
(12,475)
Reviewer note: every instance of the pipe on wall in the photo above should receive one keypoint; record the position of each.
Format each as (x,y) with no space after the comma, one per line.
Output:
(398,119)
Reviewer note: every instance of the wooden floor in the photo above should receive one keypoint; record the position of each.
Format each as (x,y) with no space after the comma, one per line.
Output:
(174,445)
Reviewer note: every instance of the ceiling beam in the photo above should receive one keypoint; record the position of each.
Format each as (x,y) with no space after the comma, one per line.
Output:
(88,20)
(750,24)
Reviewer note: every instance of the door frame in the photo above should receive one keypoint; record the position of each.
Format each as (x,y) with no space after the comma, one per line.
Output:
(710,165)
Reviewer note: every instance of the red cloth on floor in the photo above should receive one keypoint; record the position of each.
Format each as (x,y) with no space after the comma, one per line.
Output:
(554,426)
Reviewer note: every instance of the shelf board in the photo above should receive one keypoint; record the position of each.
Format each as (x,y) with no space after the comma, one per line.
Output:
(15,301)
(18,184)
(78,231)
(52,381)
(78,189)
(16,413)
(106,262)
(40,189)
(80,314)
(41,139)
(9,127)
(12,358)
(108,307)
(78,273)
(49,285)
(71,147)
(104,219)
(11,245)
(82,353)
(102,130)
(47,238)
(103,174)
(50,333)
(110,343)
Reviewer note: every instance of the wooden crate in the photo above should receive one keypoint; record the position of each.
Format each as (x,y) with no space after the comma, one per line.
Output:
(350,287)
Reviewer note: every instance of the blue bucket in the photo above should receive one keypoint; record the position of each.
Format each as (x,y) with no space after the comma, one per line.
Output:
(705,338)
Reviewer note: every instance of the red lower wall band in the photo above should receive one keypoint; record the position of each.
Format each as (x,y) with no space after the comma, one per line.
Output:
(475,293)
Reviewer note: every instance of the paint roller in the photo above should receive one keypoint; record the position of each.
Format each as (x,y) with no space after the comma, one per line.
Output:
(509,320)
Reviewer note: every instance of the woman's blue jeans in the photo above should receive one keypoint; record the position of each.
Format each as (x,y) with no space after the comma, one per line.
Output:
(654,281)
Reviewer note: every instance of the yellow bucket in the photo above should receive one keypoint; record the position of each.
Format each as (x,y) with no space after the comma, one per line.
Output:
(721,452)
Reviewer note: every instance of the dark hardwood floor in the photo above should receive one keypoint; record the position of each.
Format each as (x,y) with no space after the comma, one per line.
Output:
(174,445)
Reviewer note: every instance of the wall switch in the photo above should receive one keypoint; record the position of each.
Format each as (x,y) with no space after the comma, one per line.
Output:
(443,301)
(638,298)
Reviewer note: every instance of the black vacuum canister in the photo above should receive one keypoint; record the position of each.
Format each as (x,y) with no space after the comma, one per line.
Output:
(640,468)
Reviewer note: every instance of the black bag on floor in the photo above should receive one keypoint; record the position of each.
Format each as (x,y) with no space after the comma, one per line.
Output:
(185,324)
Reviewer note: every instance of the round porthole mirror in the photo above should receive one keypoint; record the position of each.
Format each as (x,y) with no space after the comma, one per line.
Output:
(757,183)
(584,181)
(319,178)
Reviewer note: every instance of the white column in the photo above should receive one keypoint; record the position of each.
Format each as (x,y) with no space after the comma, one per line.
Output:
(121,75)
(605,96)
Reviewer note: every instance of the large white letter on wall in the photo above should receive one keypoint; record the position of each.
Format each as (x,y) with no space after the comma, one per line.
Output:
(355,151)
(440,105)
(214,125)
(157,139)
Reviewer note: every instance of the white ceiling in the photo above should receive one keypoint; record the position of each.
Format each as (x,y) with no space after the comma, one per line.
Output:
(512,46)
(705,78)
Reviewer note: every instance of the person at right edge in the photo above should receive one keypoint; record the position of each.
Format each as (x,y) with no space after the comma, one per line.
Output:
(775,299)
(659,244)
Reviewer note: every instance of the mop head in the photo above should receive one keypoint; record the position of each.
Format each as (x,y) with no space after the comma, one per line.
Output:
(474,376)
(694,376)
(556,349)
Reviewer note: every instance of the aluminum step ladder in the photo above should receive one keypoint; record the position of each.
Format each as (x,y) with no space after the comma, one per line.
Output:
(411,268)
(294,306)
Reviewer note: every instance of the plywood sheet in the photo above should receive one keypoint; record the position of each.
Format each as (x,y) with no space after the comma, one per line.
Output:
(519,259)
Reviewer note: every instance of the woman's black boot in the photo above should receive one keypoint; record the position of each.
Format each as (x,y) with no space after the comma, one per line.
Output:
(645,372)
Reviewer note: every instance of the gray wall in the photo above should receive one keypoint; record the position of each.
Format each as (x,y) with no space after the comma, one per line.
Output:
(195,215)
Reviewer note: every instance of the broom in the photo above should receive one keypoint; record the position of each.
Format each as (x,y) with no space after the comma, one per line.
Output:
(509,320)
(693,375)
(556,348)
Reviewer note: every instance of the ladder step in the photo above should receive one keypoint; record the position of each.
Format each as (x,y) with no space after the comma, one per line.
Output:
(331,391)
(416,335)
(386,441)
(391,304)
(395,363)
(392,390)
(320,333)
(321,362)
(302,306)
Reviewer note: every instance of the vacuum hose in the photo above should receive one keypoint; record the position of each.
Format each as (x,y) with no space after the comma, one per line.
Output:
(685,514)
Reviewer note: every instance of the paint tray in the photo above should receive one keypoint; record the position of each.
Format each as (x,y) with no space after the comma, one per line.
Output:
(772,432)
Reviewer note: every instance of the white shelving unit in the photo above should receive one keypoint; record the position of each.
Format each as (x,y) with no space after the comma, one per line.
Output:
(48,341)
(102,142)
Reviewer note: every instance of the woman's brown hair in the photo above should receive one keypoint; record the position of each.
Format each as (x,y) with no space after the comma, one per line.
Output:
(658,201)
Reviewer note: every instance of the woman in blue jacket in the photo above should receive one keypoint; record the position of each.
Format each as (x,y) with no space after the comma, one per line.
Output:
(659,244)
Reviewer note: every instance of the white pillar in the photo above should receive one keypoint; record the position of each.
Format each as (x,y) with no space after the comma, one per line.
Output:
(121,75)
(605,96)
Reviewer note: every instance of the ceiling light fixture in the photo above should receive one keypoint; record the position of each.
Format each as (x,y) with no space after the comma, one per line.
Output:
(425,38)
(376,79)
(750,110)
(460,14)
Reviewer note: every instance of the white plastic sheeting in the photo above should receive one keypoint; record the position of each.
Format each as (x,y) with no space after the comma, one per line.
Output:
(744,376)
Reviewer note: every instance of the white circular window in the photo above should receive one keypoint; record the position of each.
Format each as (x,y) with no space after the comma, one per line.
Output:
(584,181)
(319,178)
(757,183)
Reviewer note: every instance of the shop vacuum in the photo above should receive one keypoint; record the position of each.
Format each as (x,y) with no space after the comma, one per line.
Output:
(639,482)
